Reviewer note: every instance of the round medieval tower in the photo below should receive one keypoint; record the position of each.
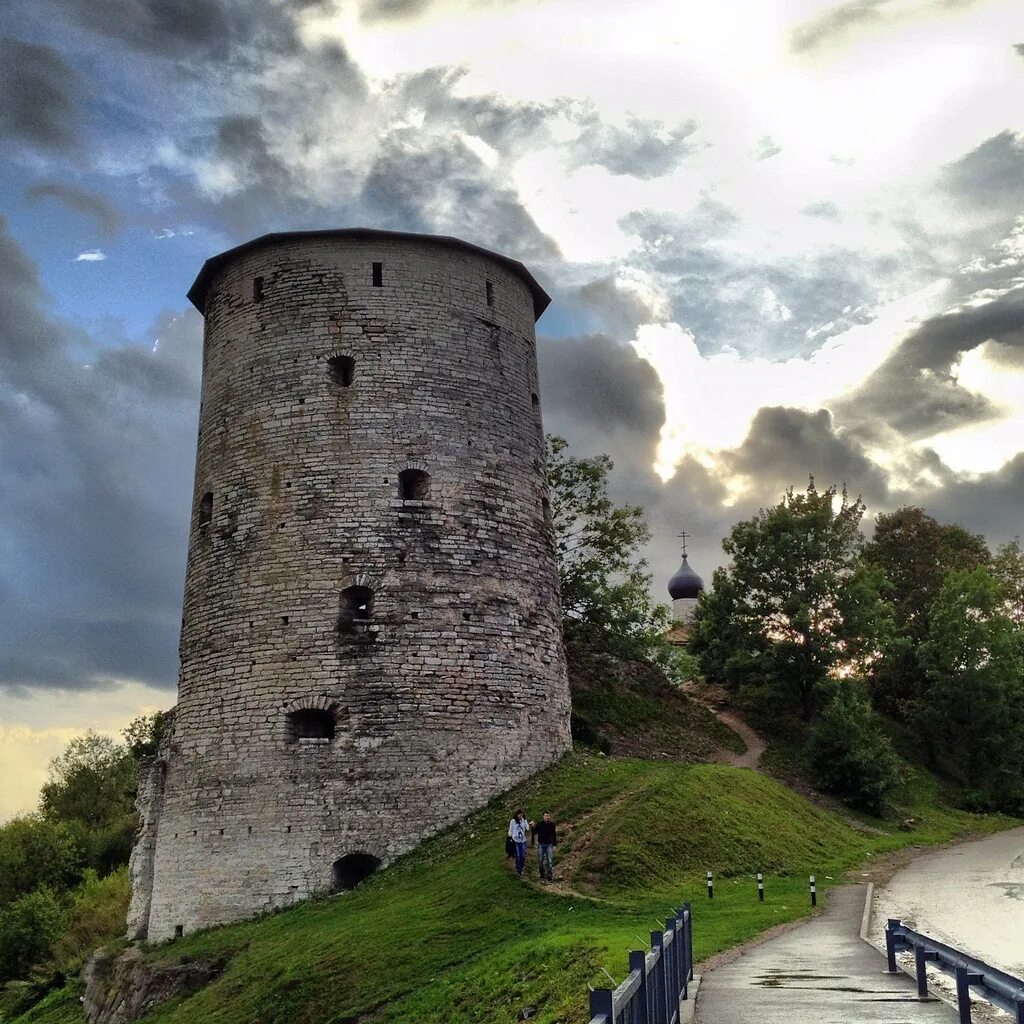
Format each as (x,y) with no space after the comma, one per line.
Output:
(371,638)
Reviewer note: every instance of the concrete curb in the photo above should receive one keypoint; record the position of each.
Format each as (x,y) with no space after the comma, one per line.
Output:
(688,1007)
(865,921)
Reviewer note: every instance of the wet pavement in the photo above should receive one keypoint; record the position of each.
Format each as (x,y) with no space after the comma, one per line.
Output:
(969,896)
(821,972)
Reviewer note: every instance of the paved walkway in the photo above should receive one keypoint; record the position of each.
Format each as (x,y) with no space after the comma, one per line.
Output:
(971,896)
(819,973)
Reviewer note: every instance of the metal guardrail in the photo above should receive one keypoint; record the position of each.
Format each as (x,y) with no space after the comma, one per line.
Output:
(998,987)
(658,981)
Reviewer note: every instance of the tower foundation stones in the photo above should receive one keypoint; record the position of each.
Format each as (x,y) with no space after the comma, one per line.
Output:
(371,640)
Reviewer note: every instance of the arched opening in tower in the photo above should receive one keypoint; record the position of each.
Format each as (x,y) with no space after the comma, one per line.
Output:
(309,724)
(356,610)
(413,485)
(353,868)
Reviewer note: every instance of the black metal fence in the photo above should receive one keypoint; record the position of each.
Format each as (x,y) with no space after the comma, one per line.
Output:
(998,987)
(658,981)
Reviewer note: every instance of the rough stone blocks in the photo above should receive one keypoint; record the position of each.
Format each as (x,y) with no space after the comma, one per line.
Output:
(371,639)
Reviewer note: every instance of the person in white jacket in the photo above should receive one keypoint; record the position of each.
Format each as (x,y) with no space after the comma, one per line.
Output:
(519,833)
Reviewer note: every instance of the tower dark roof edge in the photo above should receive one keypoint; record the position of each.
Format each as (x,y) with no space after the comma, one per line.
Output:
(197,293)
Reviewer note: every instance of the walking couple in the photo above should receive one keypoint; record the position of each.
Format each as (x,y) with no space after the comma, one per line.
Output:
(543,832)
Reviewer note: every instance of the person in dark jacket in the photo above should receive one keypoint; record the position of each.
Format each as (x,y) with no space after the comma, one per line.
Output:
(547,840)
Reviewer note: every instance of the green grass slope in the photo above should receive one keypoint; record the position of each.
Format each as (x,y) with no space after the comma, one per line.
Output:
(631,709)
(448,934)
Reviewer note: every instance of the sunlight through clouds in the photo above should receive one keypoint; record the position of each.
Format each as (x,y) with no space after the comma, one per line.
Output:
(988,446)
(711,400)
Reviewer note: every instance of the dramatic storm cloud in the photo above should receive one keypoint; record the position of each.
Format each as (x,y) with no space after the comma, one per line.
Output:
(781,239)
(40,95)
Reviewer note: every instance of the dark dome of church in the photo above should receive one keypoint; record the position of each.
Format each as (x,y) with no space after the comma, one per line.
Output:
(685,583)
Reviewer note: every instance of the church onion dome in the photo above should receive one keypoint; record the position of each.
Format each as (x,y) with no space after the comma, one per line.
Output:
(685,583)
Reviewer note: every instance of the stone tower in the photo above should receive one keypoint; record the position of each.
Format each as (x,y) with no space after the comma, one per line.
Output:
(371,639)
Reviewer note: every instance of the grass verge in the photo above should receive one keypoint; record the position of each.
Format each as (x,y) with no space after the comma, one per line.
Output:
(448,934)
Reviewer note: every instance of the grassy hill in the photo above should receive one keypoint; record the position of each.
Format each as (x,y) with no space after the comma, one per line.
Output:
(448,934)
(630,709)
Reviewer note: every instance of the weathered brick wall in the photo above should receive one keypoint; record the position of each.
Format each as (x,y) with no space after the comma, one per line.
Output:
(456,688)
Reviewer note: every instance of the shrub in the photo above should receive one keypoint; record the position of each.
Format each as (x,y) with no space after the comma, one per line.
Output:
(587,734)
(850,755)
(28,929)
(98,910)
(35,851)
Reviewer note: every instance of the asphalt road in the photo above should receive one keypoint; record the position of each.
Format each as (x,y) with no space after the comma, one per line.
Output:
(819,973)
(969,896)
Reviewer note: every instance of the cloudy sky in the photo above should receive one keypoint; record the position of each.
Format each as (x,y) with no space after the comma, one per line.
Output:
(781,238)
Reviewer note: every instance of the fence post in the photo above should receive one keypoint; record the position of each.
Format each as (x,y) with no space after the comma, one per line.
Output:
(890,943)
(814,893)
(684,955)
(760,887)
(638,962)
(711,886)
(601,1004)
(674,982)
(689,943)
(660,1015)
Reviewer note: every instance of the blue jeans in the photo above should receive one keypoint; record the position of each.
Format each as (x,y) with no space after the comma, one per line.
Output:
(546,860)
(520,857)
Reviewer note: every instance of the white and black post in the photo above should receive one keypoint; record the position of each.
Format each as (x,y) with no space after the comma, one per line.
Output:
(814,893)
(711,886)
(760,887)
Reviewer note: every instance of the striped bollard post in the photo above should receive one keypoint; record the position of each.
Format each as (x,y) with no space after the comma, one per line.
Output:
(814,893)
(760,887)
(711,886)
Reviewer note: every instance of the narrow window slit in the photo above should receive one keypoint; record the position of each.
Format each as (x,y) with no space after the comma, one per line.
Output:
(378,275)
(257,289)
(490,294)
(206,509)
(342,370)
(356,612)
(413,485)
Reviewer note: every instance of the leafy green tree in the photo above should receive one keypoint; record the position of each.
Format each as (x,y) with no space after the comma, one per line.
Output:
(796,606)
(606,600)
(142,735)
(974,714)
(91,788)
(28,929)
(34,852)
(1008,568)
(92,781)
(915,552)
(851,757)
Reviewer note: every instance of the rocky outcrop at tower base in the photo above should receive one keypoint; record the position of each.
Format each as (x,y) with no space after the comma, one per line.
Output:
(149,798)
(123,988)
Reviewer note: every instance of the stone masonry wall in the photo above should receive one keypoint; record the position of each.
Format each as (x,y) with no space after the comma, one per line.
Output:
(452,686)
